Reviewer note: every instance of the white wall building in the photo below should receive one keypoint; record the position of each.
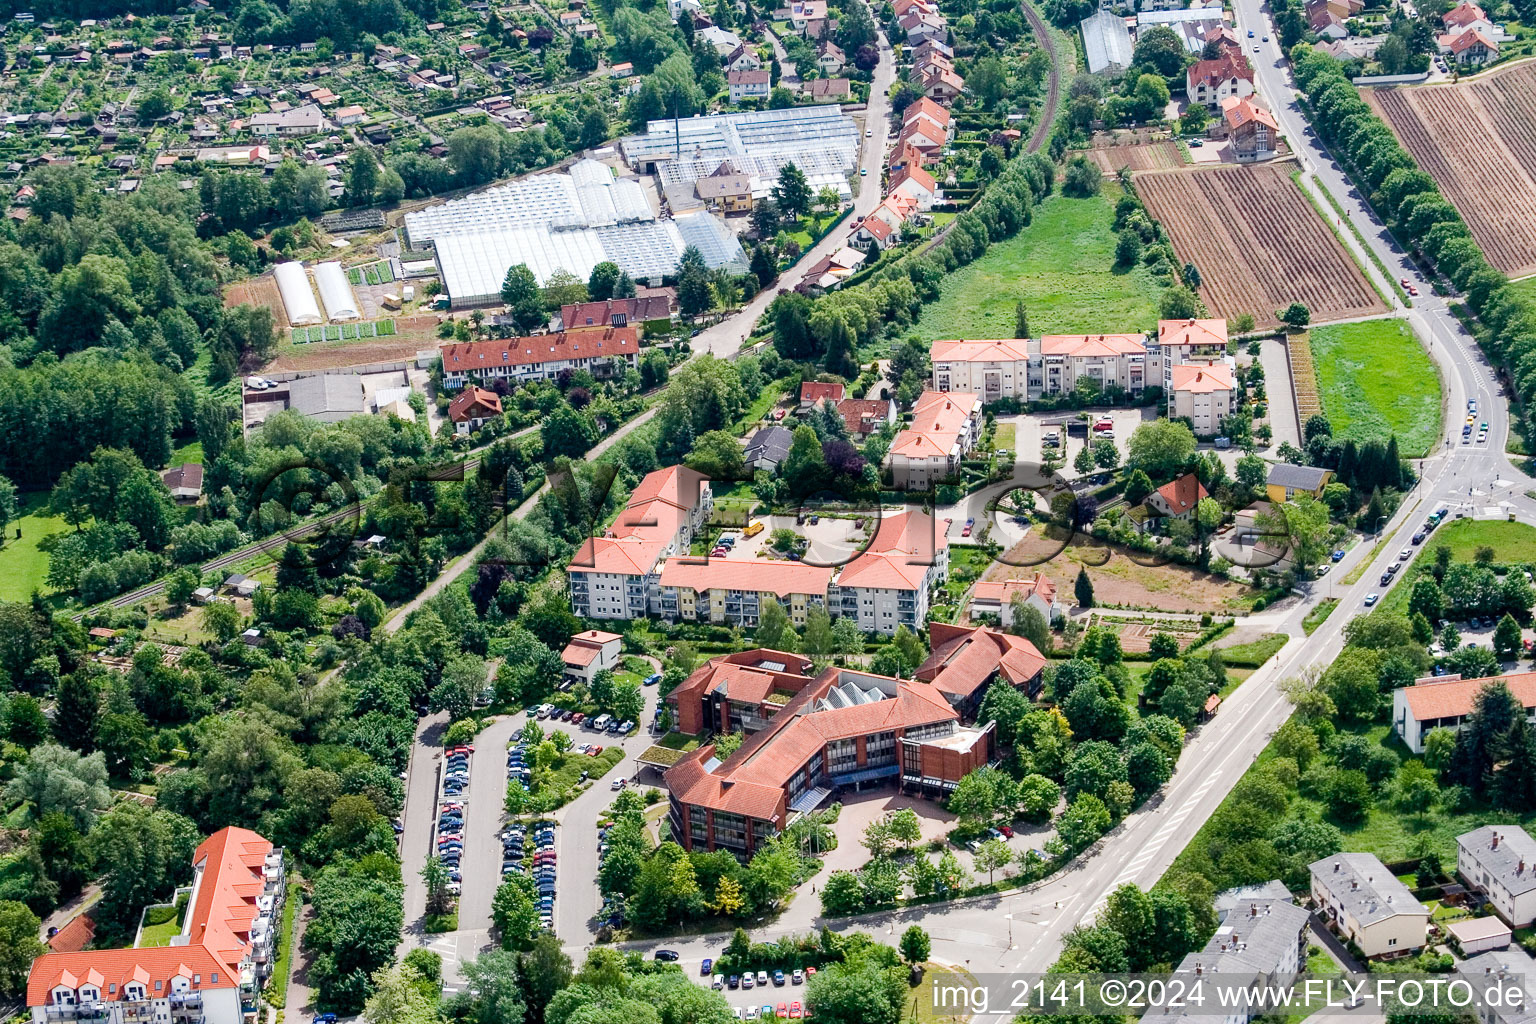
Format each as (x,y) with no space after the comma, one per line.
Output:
(945,426)
(888,584)
(1499,861)
(1369,906)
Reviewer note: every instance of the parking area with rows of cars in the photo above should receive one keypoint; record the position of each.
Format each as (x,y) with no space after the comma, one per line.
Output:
(530,849)
(452,796)
(770,994)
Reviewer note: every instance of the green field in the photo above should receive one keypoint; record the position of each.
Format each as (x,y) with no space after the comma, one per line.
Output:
(1060,267)
(1511,542)
(22,566)
(1375,380)
(1525,288)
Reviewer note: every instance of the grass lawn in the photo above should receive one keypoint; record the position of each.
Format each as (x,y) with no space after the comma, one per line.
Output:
(966,564)
(1060,267)
(1525,288)
(1319,615)
(23,567)
(192,451)
(1004,439)
(678,741)
(1255,654)
(924,1006)
(1511,542)
(1375,381)
(162,924)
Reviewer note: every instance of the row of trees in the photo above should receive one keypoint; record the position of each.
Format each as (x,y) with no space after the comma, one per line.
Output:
(1410,201)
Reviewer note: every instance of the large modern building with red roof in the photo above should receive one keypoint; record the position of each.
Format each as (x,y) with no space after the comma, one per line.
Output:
(842,730)
(209,974)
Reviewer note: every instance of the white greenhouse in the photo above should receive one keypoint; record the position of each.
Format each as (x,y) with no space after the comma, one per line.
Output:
(298,297)
(336,292)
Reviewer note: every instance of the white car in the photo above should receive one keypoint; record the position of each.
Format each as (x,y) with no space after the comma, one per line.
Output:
(1371,599)
(869,134)
(1405,554)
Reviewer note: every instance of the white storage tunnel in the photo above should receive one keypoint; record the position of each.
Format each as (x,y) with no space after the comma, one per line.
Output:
(298,297)
(336,291)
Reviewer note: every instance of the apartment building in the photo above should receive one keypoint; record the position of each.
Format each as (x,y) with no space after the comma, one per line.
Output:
(843,730)
(1187,341)
(613,576)
(212,973)
(945,427)
(1027,369)
(1367,905)
(1203,393)
(604,352)
(888,583)
(1259,947)
(1499,861)
(723,590)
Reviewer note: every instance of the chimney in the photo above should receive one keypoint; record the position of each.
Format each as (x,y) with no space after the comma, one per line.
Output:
(1353,885)
(1253,910)
(1495,840)
(1199,968)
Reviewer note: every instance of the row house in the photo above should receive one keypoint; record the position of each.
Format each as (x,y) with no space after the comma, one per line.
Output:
(603,351)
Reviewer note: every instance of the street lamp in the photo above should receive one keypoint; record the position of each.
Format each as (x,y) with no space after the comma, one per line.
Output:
(1379,520)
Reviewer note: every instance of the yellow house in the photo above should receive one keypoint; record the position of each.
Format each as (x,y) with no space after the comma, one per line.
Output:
(734,591)
(1286,481)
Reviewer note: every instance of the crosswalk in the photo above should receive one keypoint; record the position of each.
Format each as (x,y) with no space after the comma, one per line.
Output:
(1159,839)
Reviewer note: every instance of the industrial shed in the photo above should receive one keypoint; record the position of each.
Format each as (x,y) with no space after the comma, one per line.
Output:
(336,292)
(298,297)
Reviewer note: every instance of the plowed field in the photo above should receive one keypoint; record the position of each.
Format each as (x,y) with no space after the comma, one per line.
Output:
(1155,156)
(1257,242)
(1477,139)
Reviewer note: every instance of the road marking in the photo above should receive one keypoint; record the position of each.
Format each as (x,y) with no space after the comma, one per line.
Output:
(1155,844)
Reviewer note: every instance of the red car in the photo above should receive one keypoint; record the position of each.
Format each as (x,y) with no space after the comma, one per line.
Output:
(595,751)
(783,1010)
(1006,830)
(794,1010)
(966,532)
(466,749)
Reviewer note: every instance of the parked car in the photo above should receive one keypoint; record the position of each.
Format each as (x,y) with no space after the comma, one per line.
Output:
(704,967)
(666,955)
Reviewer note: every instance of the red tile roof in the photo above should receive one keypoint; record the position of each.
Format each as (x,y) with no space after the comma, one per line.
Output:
(1463,14)
(1239,113)
(600,314)
(1450,698)
(1192,332)
(864,415)
(965,658)
(1183,494)
(1002,591)
(1203,378)
(230,867)
(926,107)
(585,648)
(816,390)
(917,175)
(74,936)
(658,508)
(1212,73)
(474,403)
(990,351)
(774,577)
(1079,345)
(938,419)
(899,555)
(468,357)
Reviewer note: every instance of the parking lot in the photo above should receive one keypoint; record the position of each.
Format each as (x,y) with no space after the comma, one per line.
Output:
(1030,429)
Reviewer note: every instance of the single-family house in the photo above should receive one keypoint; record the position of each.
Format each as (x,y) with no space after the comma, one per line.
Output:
(1250,128)
(830,58)
(185,482)
(828,90)
(768,448)
(996,597)
(743,58)
(472,407)
(748,86)
(1177,499)
(1211,81)
(1286,481)
(1471,48)
(589,653)
(915,183)
(865,416)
